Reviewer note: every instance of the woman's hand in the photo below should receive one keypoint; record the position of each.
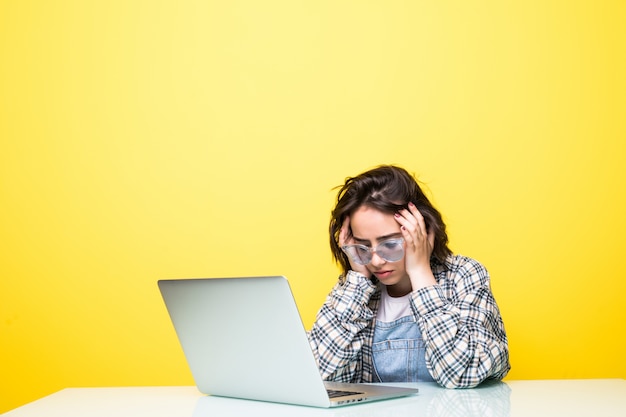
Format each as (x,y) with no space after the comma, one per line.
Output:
(345,238)
(418,246)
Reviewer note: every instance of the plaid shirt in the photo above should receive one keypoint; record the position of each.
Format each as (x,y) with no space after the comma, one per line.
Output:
(459,320)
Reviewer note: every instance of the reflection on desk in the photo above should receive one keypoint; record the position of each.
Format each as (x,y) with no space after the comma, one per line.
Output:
(592,397)
(490,399)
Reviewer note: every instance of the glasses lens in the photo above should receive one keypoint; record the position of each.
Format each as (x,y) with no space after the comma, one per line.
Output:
(391,250)
(359,254)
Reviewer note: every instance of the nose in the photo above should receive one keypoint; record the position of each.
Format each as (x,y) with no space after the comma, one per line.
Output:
(377,261)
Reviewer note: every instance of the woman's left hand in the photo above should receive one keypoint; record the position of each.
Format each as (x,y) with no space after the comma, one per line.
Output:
(418,246)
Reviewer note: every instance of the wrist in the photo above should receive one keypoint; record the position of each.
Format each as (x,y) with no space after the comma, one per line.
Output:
(361,270)
(359,279)
(421,278)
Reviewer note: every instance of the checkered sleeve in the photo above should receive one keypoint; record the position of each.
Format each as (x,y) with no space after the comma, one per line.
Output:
(337,336)
(462,327)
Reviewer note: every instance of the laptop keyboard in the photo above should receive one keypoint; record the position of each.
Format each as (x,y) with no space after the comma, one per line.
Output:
(336,394)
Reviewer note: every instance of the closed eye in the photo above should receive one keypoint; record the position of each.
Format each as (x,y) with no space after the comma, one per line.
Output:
(392,244)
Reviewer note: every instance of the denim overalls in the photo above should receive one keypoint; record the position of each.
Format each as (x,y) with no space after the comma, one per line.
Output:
(398,352)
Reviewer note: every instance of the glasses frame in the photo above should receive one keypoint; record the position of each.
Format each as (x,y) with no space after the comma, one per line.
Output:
(372,251)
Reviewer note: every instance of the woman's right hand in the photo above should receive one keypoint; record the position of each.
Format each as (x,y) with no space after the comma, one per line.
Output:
(345,238)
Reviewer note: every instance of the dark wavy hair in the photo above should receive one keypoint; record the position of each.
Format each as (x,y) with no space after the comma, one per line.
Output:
(387,188)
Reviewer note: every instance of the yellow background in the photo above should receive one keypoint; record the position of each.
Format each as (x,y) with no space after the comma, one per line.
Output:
(143,140)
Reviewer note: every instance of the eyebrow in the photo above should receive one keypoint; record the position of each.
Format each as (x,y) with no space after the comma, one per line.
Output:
(379,238)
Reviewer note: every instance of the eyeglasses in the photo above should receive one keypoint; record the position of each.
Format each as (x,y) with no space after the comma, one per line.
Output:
(390,250)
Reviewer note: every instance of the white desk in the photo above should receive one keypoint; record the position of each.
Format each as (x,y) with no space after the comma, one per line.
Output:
(599,397)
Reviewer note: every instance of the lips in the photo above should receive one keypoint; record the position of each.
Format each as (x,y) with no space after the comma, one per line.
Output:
(383,274)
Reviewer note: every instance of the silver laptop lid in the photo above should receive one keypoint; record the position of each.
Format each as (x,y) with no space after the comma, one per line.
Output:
(243,338)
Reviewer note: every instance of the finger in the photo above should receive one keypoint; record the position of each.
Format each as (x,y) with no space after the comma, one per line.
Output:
(409,240)
(418,216)
(410,223)
(409,216)
(431,239)
(405,223)
(344,233)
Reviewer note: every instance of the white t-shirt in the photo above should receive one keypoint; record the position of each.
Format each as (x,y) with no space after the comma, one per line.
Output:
(393,308)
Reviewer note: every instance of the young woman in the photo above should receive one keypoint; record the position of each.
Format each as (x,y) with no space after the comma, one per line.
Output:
(405,308)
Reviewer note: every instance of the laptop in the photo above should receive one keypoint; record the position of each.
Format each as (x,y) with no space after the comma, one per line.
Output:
(244,338)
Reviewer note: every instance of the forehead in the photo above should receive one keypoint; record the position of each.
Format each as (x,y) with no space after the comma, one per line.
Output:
(370,224)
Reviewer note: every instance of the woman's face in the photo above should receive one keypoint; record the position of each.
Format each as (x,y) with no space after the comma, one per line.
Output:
(370,227)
